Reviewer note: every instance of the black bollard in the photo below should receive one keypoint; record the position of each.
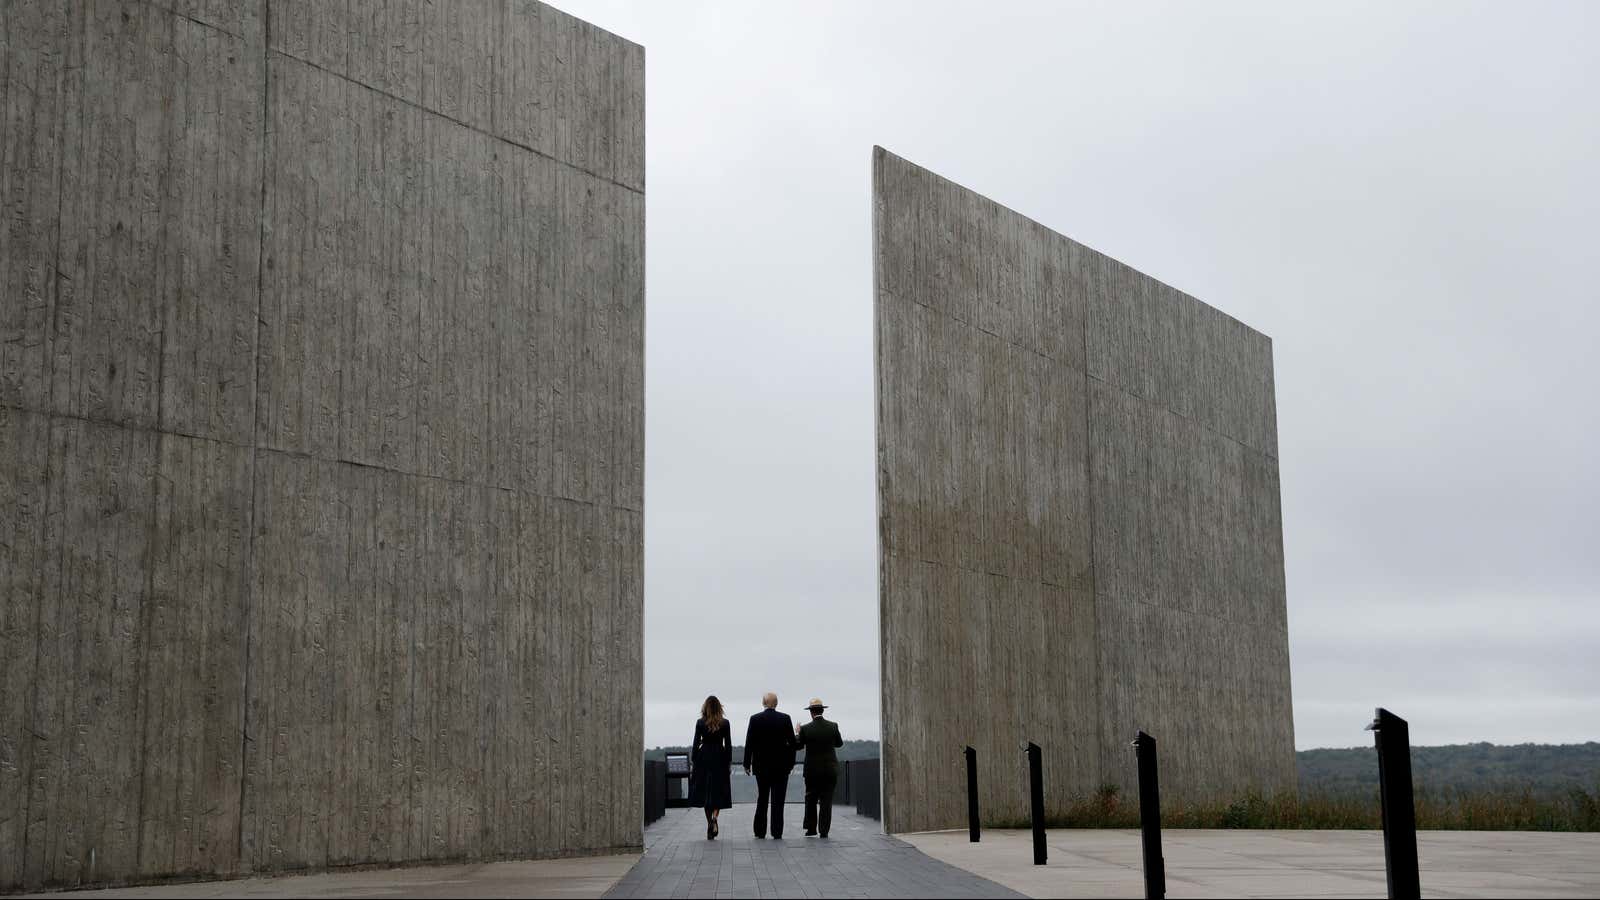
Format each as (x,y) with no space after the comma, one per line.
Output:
(972,794)
(1155,868)
(1036,792)
(1393,737)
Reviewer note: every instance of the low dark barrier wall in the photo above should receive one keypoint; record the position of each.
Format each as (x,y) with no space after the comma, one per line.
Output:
(655,790)
(858,785)
(863,780)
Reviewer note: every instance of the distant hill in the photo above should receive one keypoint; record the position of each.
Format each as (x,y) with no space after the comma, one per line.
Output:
(850,750)
(1542,768)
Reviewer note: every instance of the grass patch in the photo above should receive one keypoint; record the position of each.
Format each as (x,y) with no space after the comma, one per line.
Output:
(1508,809)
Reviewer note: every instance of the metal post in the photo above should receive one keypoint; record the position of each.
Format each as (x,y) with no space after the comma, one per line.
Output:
(1155,868)
(1036,790)
(972,794)
(1393,737)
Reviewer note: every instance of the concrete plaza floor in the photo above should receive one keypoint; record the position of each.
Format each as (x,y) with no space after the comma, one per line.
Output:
(1226,863)
(860,861)
(856,860)
(589,876)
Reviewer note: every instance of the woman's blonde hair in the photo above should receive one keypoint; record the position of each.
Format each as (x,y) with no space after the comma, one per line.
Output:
(711,712)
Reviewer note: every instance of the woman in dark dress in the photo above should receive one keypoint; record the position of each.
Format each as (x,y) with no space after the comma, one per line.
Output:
(711,757)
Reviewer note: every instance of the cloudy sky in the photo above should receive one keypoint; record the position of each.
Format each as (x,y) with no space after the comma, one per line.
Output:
(1405,197)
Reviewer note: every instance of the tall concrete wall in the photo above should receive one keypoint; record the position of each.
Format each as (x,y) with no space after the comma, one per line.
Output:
(321,436)
(1079,529)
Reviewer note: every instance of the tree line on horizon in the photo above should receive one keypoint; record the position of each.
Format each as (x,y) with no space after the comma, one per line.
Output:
(850,750)
(1539,767)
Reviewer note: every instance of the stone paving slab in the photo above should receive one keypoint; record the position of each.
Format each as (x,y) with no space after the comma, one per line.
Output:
(581,877)
(857,860)
(1241,863)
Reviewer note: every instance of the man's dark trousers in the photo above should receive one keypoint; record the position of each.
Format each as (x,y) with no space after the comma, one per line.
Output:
(819,802)
(771,787)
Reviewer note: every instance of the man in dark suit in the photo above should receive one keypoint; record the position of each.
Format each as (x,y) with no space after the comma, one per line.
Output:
(819,738)
(769,746)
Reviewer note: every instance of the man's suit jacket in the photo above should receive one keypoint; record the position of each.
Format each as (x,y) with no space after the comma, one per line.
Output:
(818,738)
(769,744)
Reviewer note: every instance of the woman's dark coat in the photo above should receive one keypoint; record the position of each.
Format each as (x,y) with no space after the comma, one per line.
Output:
(711,757)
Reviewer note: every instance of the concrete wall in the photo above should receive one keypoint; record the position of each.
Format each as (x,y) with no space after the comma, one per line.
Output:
(1079,529)
(321,436)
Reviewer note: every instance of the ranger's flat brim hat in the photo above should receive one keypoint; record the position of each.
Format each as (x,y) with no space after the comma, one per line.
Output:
(815,704)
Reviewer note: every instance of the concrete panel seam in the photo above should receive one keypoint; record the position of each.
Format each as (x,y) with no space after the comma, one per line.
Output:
(1026,349)
(1028,580)
(1258,451)
(449,118)
(463,482)
(976,327)
(296,454)
(202,23)
(112,421)
(247,608)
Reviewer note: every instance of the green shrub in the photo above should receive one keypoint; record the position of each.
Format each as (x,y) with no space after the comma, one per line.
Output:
(1506,809)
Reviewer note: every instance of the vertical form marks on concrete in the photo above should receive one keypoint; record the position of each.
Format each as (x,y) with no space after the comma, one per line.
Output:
(34,38)
(983,495)
(388,338)
(405,498)
(1189,577)
(32,69)
(194,622)
(128,309)
(330,556)
(159,194)
(131,151)
(24,495)
(132,733)
(1078,515)
(483,366)
(1188,535)
(84,781)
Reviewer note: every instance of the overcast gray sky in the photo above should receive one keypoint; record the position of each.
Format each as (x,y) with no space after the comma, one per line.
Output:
(1404,197)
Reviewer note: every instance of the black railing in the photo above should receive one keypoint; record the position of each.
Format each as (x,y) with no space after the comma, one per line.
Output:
(655,790)
(841,788)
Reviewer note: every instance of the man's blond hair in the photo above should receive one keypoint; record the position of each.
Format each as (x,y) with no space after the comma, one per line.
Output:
(769,700)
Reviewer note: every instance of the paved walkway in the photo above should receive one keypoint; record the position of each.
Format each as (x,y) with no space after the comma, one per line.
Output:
(1227,863)
(588,876)
(857,860)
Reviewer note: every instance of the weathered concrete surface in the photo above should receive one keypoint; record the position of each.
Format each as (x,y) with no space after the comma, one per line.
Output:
(1079,529)
(1239,863)
(321,436)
